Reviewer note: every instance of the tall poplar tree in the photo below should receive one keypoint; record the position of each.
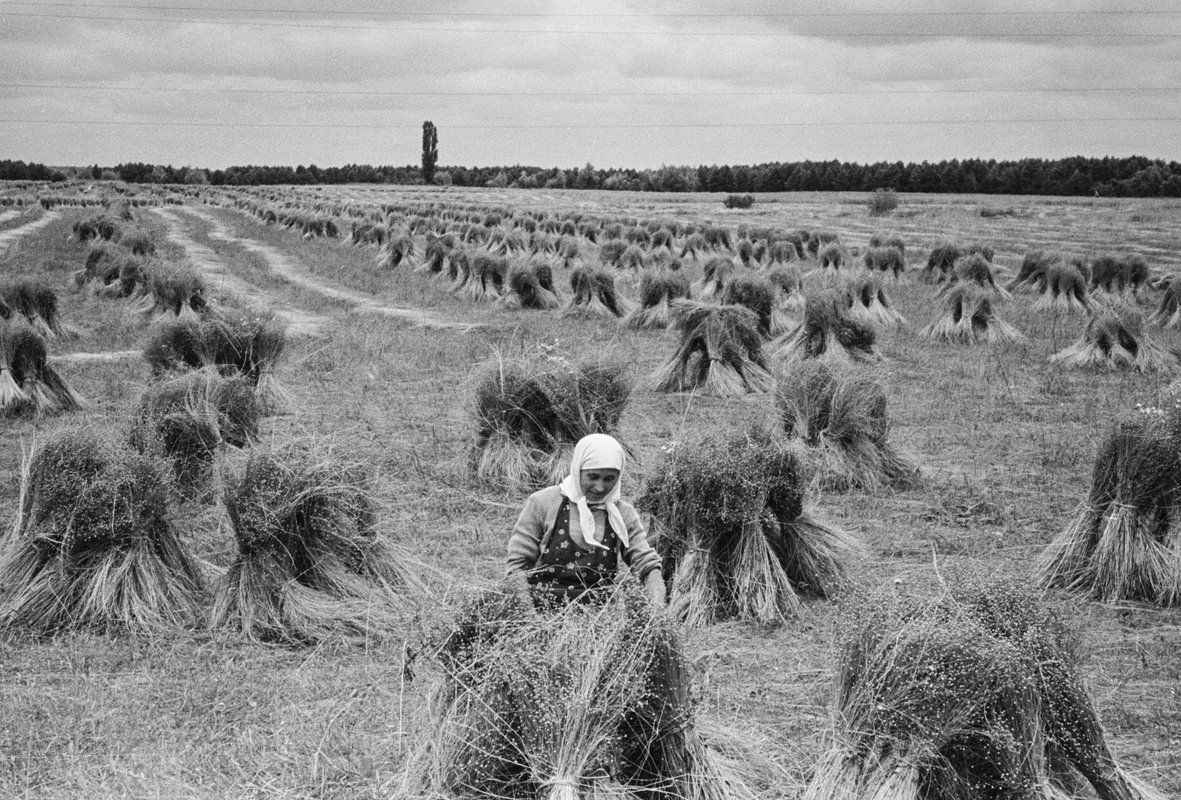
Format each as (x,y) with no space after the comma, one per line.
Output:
(430,151)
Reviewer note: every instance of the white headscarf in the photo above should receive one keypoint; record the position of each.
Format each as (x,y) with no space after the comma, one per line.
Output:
(597,451)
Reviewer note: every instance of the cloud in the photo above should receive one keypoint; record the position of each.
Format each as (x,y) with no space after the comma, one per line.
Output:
(188,85)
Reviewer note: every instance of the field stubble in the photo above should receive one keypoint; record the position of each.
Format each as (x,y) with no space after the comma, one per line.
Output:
(1006,441)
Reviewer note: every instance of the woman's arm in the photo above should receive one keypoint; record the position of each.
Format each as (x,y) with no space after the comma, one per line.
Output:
(641,556)
(524,545)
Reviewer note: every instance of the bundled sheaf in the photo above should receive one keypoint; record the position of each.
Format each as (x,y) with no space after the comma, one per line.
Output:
(720,352)
(1121,275)
(975,694)
(189,417)
(173,291)
(1061,287)
(831,257)
(397,248)
(593,294)
(436,252)
(658,290)
(93,546)
(889,260)
(591,701)
(840,419)
(1034,265)
(96,227)
(754,292)
(237,341)
(1124,541)
(870,302)
(695,244)
(1116,339)
(36,302)
(311,563)
(486,274)
(531,286)
(113,272)
(632,258)
(788,297)
(1168,310)
(28,384)
(716,273)
(973,269)
(942,258)
(818,240)
(728,518)
(828,332)
(529,414)
(970,318)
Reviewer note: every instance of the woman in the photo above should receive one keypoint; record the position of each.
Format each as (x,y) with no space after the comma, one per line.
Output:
(569,538)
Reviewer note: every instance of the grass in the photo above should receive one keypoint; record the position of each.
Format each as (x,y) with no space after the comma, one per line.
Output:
(1006,439)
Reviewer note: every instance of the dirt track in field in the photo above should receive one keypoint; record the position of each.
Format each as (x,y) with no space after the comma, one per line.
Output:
(89,358)
(299,321)
(8,237)
(290,271)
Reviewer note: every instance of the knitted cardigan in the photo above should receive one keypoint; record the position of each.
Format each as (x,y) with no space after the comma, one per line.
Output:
(537,521)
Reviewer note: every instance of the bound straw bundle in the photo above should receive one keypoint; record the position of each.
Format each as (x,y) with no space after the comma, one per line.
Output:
(398,247)
(531,286)
(889,261)
(975,270)
(942,258)
(485,276)
(310,562)
(1168,311)
(753,292)
(840,419)
(975,694)
(715,275)
(869,301)
(435,254)
(187,418)
(592,701)
(112,272)
(93,546)
(530,413)
(1116,339)
(720,352)
(1119,275)
(1062,288)
(594,294)
(28,384)
(828,332)
(173,291)
(658,289)
(36,301)
(729,521)
(1124,541)
(789,296)
(970,319)
(242,342)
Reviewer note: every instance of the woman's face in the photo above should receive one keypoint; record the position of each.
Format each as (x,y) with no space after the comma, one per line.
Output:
(598,483)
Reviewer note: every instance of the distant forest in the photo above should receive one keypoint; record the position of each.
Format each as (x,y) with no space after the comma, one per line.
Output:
(1132,176)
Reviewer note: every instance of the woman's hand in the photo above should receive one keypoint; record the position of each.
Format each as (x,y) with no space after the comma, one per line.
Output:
(654,588)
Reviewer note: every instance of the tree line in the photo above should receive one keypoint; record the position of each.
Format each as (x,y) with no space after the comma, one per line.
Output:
(1130,176)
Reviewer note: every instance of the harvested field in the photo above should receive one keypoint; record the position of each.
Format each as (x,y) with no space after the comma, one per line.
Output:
(1005,441)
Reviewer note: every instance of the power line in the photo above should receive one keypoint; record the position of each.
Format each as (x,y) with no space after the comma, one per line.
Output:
(574,32)
(610,15)
(586,126)
(577,93)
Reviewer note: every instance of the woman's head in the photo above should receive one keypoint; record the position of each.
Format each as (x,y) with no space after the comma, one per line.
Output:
(597,466)
(597,484)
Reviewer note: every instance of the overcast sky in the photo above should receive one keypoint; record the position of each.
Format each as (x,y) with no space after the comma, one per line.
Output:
(629,83)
